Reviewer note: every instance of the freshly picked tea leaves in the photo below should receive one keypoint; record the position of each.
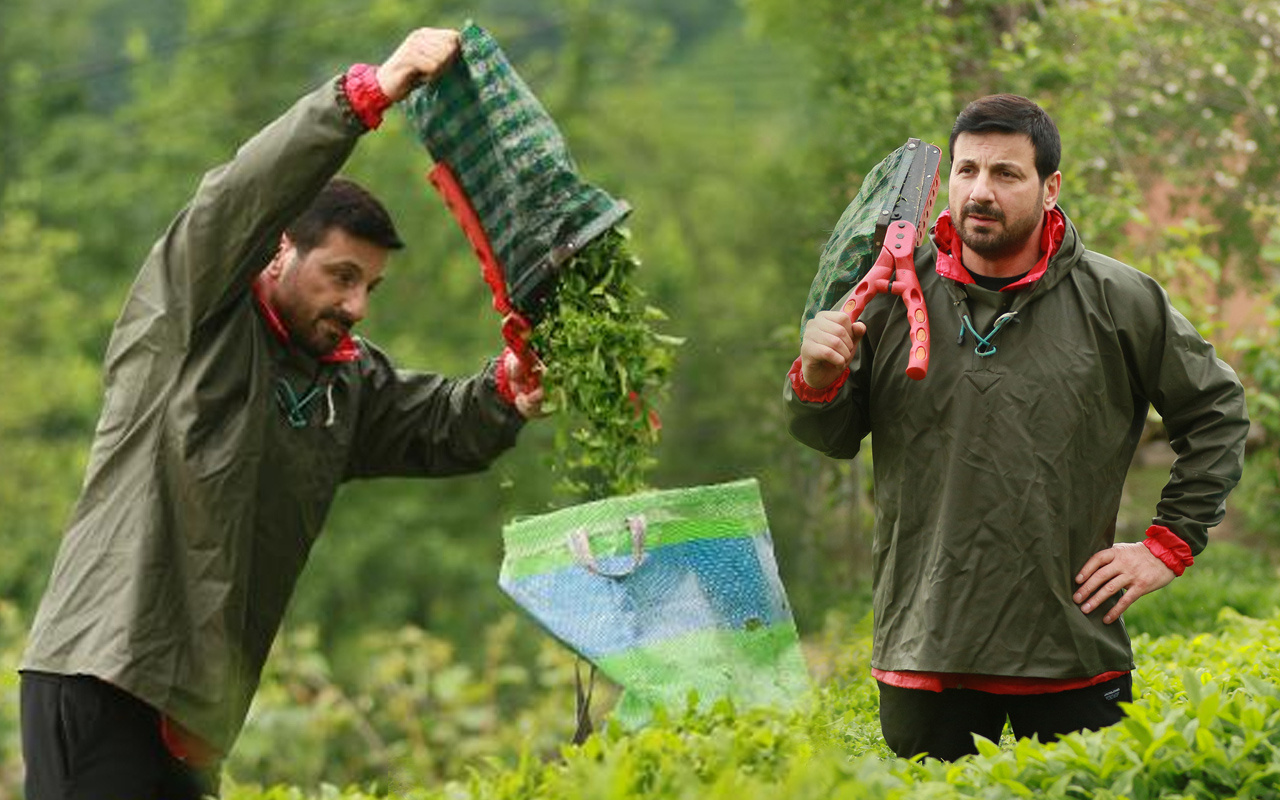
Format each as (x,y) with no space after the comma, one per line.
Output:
(606,365)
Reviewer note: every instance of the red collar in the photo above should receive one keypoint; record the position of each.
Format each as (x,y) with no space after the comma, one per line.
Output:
(948,242)
(346,350)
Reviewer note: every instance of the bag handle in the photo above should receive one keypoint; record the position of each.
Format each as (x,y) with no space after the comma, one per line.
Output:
(580,546)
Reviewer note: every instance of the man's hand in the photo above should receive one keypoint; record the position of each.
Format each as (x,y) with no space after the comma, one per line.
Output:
(1130,567)
(528,394)
(830,340)
(422,56)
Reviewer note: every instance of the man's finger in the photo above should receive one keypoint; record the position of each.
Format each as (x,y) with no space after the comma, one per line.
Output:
(1096,560)
(1103,575)
(1121,605)
(1096,598)
(529,404)
(833,349)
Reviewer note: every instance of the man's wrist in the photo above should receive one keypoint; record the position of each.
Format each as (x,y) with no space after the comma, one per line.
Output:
(1167,546)
(807,393)
(364,93)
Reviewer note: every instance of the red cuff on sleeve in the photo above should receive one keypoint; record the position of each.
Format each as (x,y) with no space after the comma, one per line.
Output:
(1165,545)
(365,94)
(809,394)
(505,391)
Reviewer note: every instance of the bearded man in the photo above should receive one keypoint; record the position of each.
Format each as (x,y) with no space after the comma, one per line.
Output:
(238,399)
(998,584)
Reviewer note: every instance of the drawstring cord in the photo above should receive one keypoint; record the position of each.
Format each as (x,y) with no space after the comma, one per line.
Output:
(295,407)
(984,347)
(328,396)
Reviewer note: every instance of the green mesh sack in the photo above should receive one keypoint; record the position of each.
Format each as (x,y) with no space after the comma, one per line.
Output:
(667,593)
(506,173)
(852,248)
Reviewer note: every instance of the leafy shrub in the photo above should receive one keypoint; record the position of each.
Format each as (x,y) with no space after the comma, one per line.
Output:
(416,713)
(1205,724)
(419,723)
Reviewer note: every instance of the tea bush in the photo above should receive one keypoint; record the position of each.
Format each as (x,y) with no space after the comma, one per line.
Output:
(1205,724)
(417,721)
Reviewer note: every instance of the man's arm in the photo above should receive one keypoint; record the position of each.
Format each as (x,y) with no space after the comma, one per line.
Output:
(231,228)
(1203,407)
(422,424)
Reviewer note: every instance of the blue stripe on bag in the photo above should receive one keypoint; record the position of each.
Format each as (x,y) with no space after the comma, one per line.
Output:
(576,605)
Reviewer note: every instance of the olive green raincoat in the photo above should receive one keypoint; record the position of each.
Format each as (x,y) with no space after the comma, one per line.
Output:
(997,477)
(202,501)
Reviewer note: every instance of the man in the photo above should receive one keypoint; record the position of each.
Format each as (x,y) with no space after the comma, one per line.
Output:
(236,402)
(997,581)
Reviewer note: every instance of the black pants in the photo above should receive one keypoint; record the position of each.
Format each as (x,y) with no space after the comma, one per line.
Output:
(942,724)
(83,739)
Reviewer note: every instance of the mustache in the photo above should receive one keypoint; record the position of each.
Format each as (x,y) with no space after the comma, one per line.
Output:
(991,212)
(337,316)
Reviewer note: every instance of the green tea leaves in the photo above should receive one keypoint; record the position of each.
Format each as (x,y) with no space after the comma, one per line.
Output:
(606,366)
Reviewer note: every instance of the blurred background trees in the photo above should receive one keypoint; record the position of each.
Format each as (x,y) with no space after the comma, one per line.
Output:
(737,130)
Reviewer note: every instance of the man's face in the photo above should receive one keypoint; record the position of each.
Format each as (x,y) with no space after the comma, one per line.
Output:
(320,296)
(996,197)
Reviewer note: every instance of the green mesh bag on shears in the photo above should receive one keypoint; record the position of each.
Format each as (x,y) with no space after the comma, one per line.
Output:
(852,249)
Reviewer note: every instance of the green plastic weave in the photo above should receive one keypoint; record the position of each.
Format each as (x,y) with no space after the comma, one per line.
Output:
(483,121)
(697,609)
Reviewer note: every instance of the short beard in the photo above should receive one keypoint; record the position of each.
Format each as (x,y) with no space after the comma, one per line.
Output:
(322,344)
(1006,242)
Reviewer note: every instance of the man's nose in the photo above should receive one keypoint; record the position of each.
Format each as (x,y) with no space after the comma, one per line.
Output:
(356,303)
(981,190)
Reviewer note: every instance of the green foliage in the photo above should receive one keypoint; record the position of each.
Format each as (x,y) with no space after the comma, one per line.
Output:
(605,367)
(414,713)
(417,721)
(13,631)
(1261,368)
(48,402)
(1205,724)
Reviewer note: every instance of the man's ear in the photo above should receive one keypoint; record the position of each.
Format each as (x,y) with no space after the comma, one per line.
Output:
(284,253)
(1052,186)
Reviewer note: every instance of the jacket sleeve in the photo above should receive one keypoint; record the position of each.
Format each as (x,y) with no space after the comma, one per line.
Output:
(1202,403)
(835,427)
(231,227)
(419,423)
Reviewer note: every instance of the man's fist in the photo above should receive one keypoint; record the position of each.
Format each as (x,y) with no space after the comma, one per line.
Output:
(830,340)
(422,56)
(526,389)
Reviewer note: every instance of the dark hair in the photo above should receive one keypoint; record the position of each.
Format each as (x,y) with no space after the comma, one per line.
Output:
(1009,113)
(345,204)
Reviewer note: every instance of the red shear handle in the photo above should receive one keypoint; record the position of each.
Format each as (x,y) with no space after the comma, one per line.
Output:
(907,286)
(895,271)
(872,284)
